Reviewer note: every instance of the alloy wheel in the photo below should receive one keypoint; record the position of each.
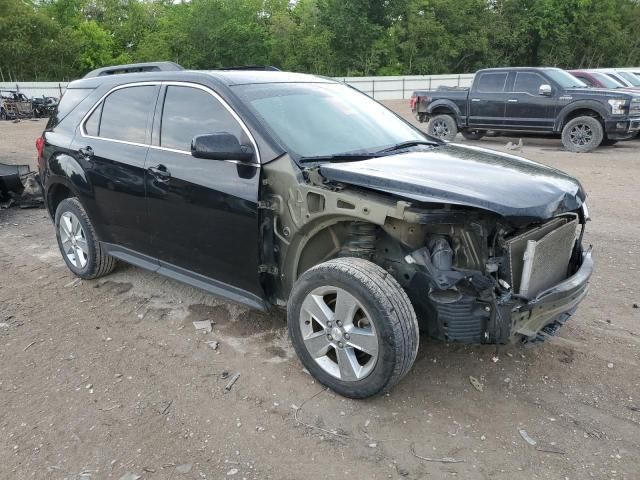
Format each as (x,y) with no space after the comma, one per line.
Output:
(440,129)
(338,333)
(73,240)
(581,134)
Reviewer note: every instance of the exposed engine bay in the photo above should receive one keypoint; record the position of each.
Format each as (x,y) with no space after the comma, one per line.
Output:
(472,275)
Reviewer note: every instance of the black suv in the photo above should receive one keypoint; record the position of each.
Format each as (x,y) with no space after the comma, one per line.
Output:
(281,189)
(531,101)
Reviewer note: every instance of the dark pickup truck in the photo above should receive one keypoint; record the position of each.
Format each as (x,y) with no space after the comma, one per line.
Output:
(533,101)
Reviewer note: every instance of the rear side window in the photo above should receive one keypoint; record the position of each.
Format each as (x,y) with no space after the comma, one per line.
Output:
(528,82)
(188,112)
(123,115)
(491,82)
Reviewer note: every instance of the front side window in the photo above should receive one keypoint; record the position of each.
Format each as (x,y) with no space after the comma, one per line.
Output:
(123,115)
(527,82)
(491,82)
(188,112)
(322,119)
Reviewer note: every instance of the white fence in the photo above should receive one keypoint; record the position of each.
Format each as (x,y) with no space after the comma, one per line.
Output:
(36,89)
(380,88)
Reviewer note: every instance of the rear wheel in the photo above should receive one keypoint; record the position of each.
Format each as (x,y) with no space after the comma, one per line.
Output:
(353,326)
(473,134)
(582,134)
(78,242)
(443,127)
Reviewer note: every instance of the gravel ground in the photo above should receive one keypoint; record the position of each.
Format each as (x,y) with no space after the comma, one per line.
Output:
(100,379)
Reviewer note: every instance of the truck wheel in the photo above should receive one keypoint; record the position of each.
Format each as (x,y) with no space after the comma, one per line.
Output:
(443,127)
(582,134)
(472,134)
(78,242)
(352,326)
(3,114)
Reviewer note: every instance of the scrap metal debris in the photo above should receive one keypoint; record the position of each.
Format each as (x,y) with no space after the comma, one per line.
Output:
(525,436)
(19,186)
(233,380)
(431,459)
(206,325)
(476,384)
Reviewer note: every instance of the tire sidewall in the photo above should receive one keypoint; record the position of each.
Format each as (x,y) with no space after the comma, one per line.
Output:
(73,205)
(451,122)
(596,128)
(382,372)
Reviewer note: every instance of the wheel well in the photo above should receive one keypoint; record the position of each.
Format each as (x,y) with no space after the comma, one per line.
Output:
(57,193)
(443,111)
(582,112)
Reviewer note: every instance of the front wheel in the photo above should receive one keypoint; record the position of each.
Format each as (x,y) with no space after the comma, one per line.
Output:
(353,326)
(443,127)
(582,134)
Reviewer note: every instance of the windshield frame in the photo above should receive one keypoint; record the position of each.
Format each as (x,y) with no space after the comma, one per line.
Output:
(299,159)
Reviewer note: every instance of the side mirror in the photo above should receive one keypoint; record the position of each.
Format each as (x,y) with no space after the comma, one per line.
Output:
(545,90)
(220,146)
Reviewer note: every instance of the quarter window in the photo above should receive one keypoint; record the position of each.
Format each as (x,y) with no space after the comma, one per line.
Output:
(123,115)
(528,82)
(491,82)
(188,112)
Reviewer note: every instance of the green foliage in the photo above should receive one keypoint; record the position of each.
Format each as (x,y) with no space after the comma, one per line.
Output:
(63,39)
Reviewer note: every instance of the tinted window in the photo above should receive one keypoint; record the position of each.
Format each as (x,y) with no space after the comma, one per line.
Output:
(93,122)
(188,112)
(70,100)
(125,113)
(528,82)
(491,82)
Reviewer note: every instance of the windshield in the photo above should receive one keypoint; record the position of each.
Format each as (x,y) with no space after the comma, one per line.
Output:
(325,119)
(631,78)
(564,79)
(606,80)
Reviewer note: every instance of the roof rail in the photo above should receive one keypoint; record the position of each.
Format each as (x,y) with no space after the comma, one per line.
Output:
(134,68)
(268,68)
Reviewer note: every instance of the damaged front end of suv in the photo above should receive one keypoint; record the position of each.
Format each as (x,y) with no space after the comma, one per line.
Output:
(487,246)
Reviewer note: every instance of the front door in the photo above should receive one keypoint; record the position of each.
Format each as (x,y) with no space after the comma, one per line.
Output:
(527,110)
(487,100)
(112,144)
(203,214)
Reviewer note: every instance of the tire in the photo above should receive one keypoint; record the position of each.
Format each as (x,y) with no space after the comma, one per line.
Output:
(3,114)
(582,134)
(443,127)
(472,134)
(376,313)
(81,250)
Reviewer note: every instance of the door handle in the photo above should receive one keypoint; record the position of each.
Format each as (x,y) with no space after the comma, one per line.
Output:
(475,99)
(160,173)
(86,152)
(513,100)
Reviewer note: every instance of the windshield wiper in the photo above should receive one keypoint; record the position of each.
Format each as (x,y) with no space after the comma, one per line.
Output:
(402,145)
(339,157)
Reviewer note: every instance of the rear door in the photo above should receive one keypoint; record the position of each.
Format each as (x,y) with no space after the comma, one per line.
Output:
(112,143)
(526,108)
(487,100)
(203,214)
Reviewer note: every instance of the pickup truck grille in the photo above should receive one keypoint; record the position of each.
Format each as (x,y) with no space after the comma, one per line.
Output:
(539,258)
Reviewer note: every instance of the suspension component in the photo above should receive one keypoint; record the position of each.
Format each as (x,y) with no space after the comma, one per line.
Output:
(361,242)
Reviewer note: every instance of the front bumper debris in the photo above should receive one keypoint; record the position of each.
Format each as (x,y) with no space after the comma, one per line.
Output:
(554,305)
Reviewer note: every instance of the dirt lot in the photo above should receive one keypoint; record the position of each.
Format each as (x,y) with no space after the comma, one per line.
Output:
(103,378)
